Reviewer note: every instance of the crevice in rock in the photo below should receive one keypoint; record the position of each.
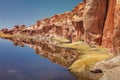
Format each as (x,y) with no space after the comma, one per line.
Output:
(106,12)
(96,71)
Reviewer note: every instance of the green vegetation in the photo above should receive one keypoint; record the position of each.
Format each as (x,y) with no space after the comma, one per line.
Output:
(88,55)
(57,39)
(84,48)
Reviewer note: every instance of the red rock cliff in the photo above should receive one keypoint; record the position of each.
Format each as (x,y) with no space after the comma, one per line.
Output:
(109,25)
(116,36)
(101,22)
(67,25)
(94,21)
(111,34)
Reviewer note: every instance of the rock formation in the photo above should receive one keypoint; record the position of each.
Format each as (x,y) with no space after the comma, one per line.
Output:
(67,25)
(97,22)
(102,23)
(109,25)
(44,48)
(110,68)
(116,36)
(93,22)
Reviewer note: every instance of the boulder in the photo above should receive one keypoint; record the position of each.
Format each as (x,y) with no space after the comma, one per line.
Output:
(110,68)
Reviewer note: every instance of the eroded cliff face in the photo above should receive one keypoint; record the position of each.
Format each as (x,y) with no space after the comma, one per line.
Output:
(97,22)
(101,22)
(111,33)
(109,25)
(116,36)
(67,25)
(93,22)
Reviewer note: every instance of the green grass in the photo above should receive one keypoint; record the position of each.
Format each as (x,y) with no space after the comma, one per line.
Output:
(84,48)
(58,39)
(88,55)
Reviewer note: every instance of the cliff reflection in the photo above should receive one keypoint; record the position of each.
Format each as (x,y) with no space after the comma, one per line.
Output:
(62,56)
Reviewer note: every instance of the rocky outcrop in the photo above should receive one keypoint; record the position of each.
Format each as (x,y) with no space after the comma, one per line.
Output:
(16,30)
(110,68)
(78,26)
(109,25)
(116,36)
(67,25)
(97,22)
(101,22)
(111,34)
(93,22)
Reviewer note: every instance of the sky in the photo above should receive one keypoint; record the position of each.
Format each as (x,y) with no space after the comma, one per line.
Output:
(27,12)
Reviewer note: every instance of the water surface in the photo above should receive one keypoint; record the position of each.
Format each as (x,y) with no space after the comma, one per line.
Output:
(22,63)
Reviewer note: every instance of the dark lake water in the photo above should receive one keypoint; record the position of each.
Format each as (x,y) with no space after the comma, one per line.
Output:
(25,63)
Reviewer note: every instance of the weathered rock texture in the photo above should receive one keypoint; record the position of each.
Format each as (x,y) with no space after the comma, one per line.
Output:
(101,22)
(94,17)
(94,21)
(116,36)
(67,25)
(109,25)
(111,34)
(110,68)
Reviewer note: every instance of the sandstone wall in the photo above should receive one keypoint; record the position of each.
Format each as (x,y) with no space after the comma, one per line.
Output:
(109,25)
(116,36)
(111,34)
(101,22)
(93,22)
(67,25)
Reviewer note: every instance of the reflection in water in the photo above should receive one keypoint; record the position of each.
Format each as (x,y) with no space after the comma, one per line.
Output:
(17,63)
(62,56)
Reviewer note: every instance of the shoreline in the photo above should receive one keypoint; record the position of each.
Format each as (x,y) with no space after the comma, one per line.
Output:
(88,57)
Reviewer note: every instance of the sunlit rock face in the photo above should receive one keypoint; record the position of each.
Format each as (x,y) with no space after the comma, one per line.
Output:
(16,30)
(101,22)
(111,34)
(109,25)
(47,49)
(93,20)
(110,68)
(116,36)
(67,25)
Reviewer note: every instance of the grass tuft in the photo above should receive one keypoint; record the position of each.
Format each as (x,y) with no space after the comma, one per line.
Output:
(88,55)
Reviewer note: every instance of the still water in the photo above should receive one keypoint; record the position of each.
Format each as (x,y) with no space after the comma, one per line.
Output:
(22,63)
